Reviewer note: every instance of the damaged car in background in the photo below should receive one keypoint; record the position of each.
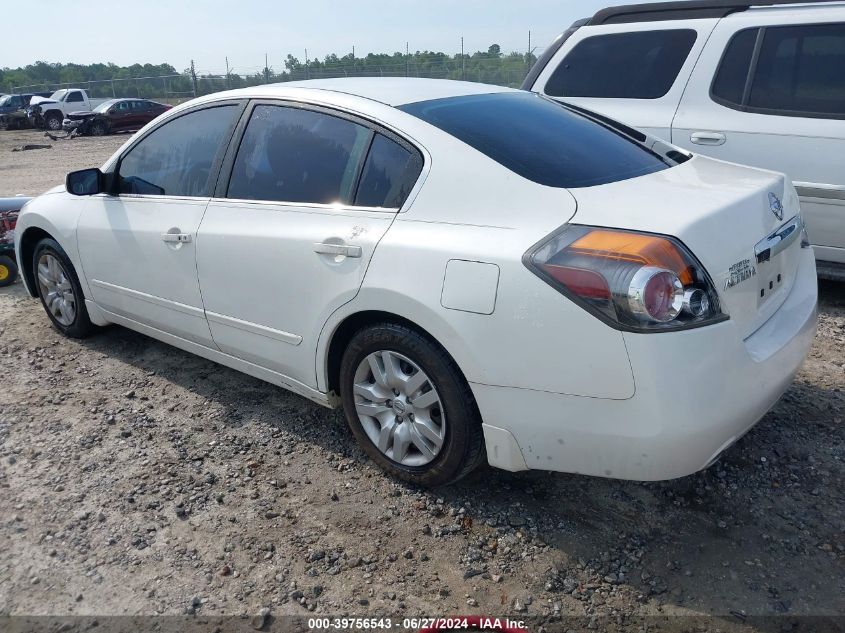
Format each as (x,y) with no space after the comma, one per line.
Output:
(115,115)
(48,113)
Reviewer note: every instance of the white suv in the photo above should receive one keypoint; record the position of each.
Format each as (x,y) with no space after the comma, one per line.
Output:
(760,83)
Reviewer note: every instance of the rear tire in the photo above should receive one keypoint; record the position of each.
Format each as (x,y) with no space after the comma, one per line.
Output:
(8,271)
(424,415)
(59,290)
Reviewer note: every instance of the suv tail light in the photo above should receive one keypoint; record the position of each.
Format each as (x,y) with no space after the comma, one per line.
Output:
(633,281)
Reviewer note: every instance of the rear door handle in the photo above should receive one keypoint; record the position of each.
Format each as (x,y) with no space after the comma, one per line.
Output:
(337,249)
(181,238)
(708,138)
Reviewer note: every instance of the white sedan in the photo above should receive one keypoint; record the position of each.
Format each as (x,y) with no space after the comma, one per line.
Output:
(472,272)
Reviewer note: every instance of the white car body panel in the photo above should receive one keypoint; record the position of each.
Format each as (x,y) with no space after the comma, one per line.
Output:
(132,273)
(557,388)
(811,151)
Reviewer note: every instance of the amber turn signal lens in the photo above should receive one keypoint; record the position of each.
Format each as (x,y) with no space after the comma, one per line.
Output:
(647,250)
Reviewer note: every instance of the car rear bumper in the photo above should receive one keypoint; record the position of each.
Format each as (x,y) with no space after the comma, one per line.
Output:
(697,392)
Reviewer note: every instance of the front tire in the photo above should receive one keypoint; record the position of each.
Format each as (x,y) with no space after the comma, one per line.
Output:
(60,291)
(8,271)
(98,128)
(409,406)
(53,122)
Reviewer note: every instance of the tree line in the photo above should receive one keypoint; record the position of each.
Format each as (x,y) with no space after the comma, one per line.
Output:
(163,80)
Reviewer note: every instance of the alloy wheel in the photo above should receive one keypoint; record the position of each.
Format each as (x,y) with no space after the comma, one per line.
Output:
(56,289)
(399,408)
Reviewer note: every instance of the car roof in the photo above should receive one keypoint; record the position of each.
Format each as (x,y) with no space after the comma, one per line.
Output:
(393,91)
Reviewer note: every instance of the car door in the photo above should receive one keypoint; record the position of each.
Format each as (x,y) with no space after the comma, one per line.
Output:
(119,116)
(770,92)
(634,73)
(138,247)
(289,237)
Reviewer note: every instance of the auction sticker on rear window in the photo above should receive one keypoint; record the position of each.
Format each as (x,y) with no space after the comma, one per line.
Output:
(739,272)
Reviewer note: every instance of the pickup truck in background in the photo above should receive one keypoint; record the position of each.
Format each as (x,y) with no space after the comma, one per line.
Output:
(51,111)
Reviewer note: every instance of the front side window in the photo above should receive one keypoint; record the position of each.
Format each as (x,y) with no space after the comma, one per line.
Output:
(541,139)
(637,65)
(291,154)
(390,173)
(176,158)
(74,96)
(796,71)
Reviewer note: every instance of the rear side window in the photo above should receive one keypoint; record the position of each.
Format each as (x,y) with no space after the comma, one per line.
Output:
(796,71)
(389,174)
(176,158)
(638,65)
(541,139)
(294,155)
(729,84)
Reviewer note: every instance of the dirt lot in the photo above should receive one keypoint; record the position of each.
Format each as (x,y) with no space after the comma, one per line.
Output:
(32,172)
(138,479)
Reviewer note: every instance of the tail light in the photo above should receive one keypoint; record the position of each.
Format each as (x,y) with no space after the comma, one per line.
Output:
(633,281)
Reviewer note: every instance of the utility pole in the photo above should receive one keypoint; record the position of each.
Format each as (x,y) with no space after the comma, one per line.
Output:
(227,73)
(266,70)
(306,63)
(194,77)
(407,58)
(463,61)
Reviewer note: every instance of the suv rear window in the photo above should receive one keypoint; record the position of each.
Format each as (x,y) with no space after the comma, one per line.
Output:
(638,65)
(797,71)
(541,139)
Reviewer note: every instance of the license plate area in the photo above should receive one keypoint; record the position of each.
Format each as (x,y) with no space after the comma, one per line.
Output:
(770,279)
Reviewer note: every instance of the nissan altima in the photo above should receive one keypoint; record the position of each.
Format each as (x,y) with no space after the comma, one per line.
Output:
(473,273)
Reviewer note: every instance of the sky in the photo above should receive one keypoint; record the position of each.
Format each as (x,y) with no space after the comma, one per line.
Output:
(177,31)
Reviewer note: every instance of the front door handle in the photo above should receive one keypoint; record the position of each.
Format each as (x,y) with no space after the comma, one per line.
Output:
(180,238)
(708,138)
(324,248)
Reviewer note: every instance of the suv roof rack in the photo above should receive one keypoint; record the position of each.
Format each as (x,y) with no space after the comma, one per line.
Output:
(684,10)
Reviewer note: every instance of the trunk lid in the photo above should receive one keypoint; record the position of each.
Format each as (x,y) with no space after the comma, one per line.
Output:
(721,212)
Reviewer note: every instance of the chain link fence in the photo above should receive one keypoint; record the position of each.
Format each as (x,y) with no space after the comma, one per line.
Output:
(176,88)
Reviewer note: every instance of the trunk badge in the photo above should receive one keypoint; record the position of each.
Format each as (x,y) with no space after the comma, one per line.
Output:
(776,206)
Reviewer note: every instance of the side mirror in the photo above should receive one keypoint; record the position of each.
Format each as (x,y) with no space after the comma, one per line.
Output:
(86,182)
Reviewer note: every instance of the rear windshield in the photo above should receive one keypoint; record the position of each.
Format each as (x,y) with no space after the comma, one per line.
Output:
(541,139)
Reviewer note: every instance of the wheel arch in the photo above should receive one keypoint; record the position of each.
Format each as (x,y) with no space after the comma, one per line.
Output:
(341,328)
(29,239)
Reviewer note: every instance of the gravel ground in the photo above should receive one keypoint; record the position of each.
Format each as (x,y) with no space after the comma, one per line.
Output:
(138,479)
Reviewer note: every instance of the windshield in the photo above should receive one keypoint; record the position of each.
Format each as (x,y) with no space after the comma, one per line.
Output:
(542,139)
(4,101)
(104,106)
(57,96)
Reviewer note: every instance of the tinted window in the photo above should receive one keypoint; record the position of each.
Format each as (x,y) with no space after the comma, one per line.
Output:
(176,158)
(801,69)
(294,155)
(74,96)
(729,84)
(389,174)
(540,139)
(640,65)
